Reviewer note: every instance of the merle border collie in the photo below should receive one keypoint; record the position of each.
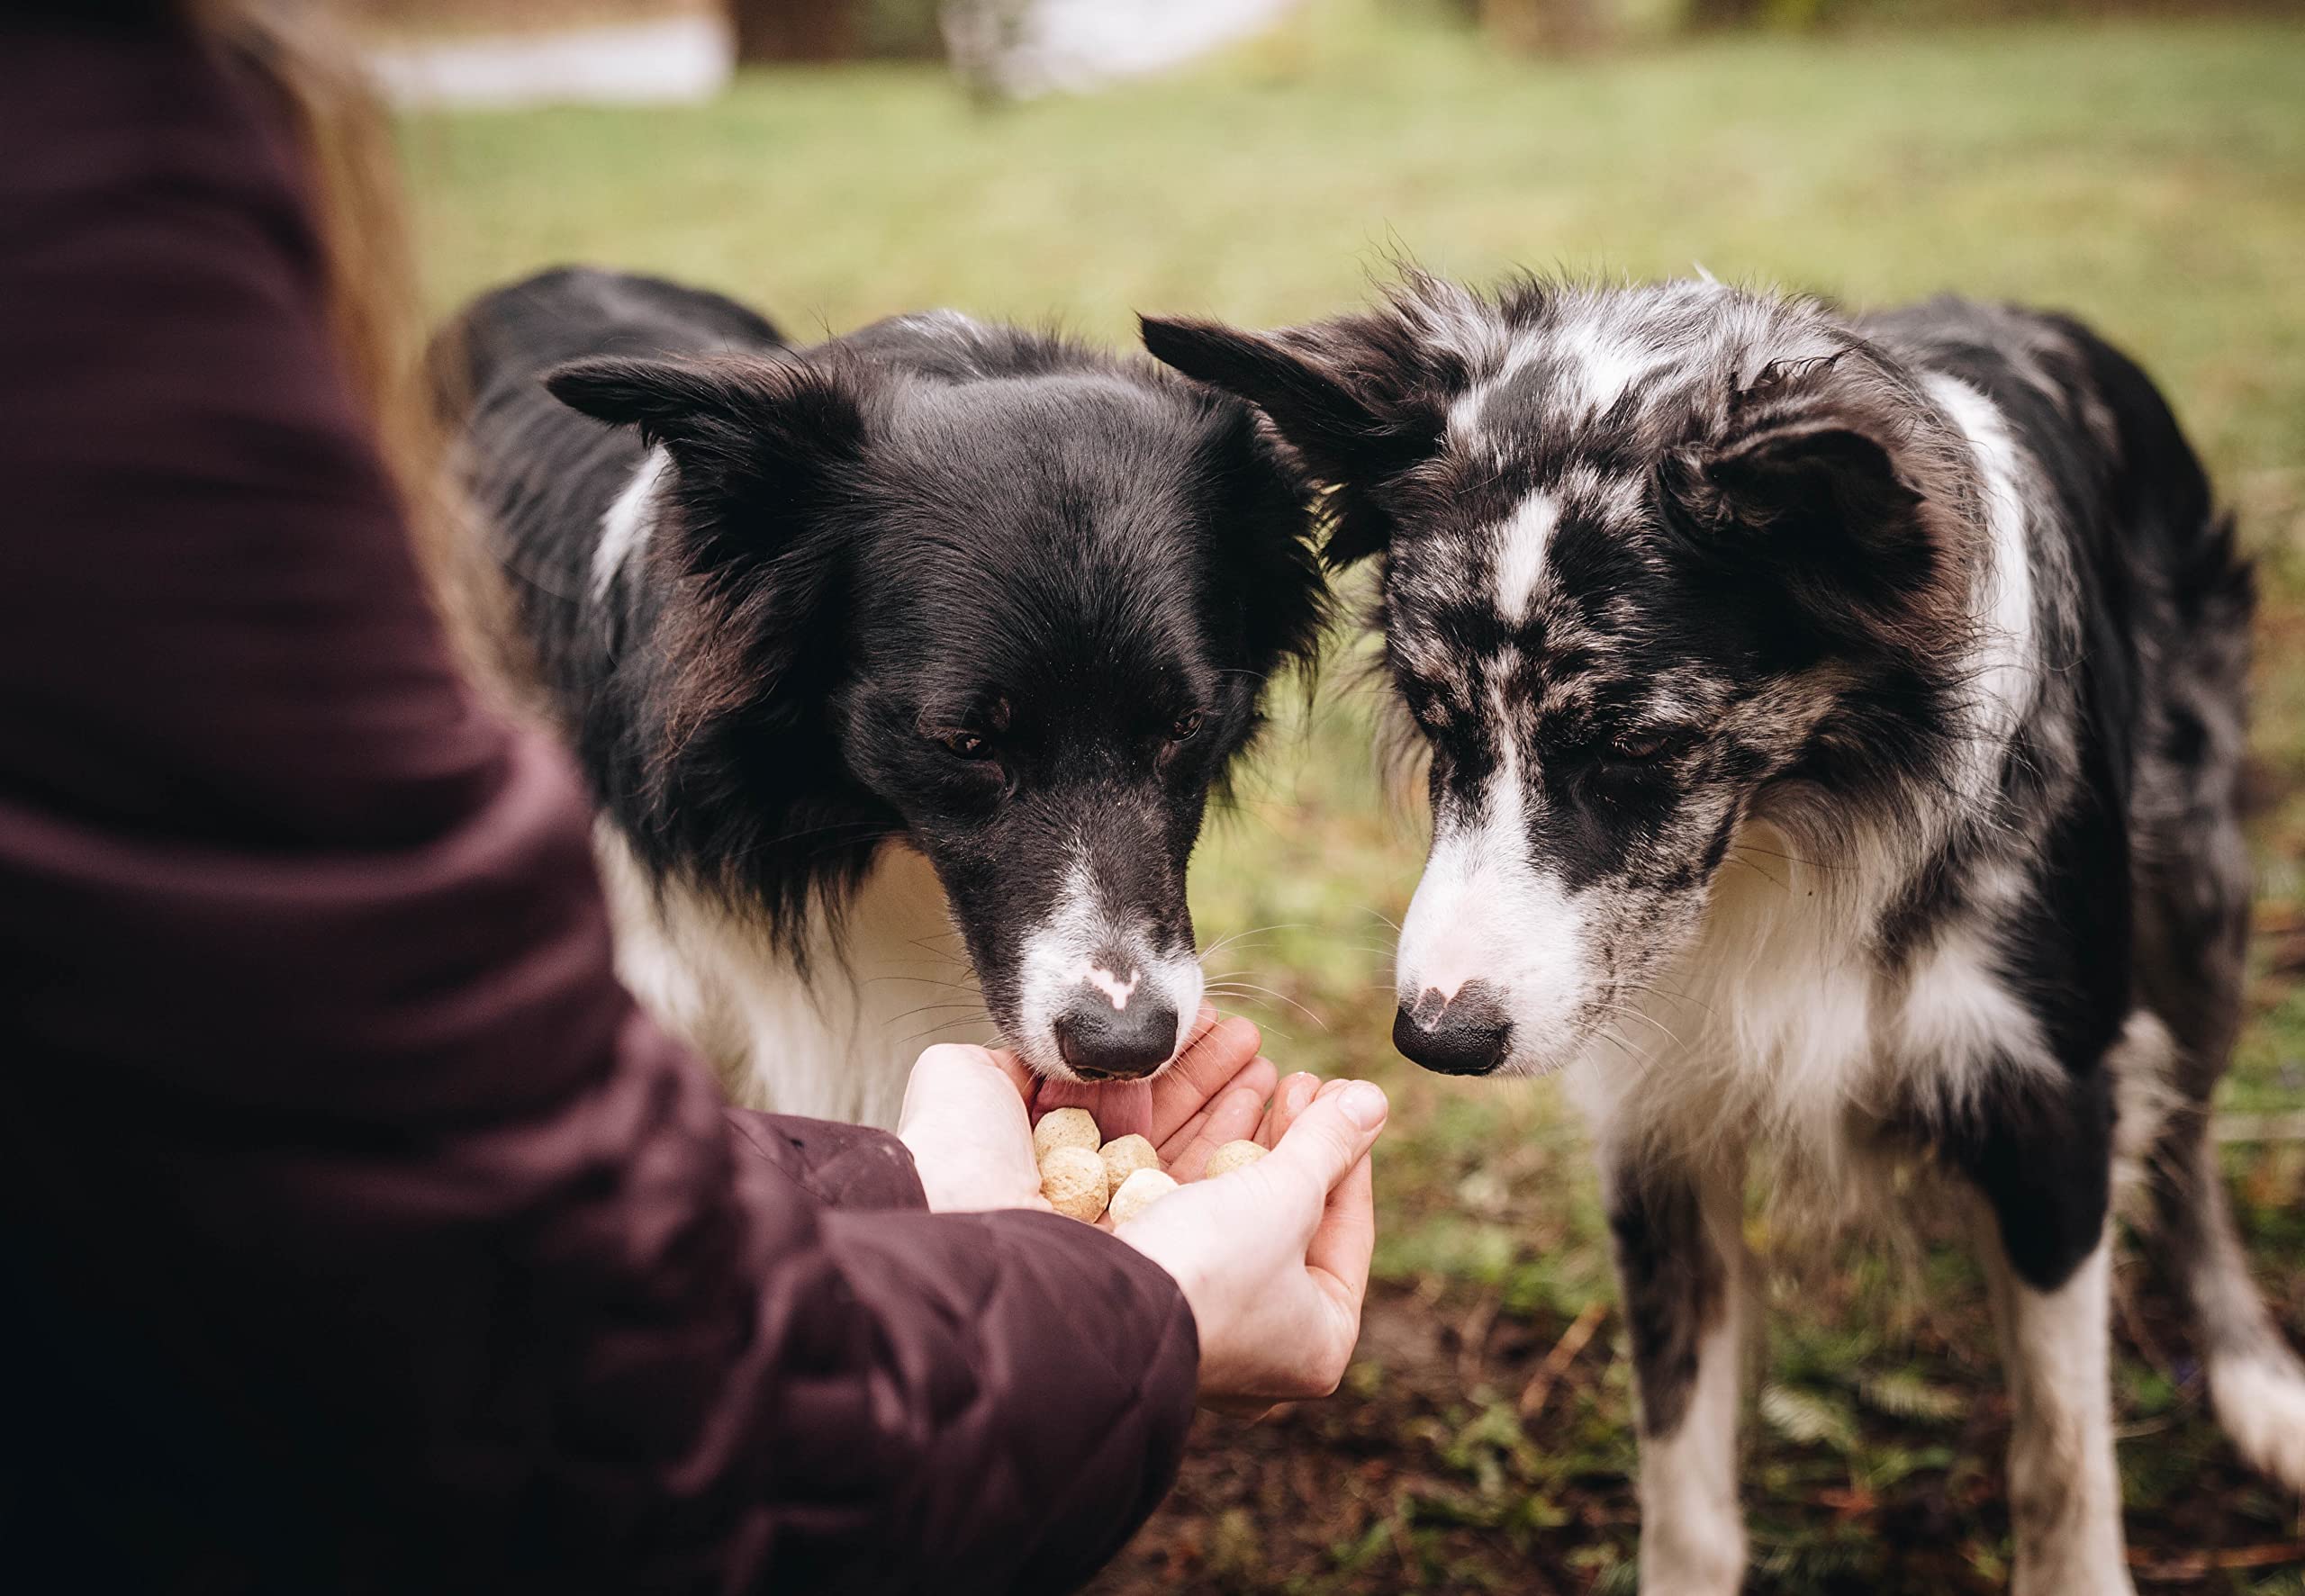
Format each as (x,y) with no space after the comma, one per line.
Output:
(934,625)
(1833,727)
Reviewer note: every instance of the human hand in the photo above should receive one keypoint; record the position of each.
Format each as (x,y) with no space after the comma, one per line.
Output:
(963,1121)
(968,1112)
(1273,1258)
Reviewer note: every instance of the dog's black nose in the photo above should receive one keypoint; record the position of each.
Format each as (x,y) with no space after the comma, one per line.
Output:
(1467,1034)
(1100,1042)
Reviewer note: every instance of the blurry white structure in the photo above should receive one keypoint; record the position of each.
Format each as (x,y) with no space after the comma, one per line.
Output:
(676,60)
(1036,47)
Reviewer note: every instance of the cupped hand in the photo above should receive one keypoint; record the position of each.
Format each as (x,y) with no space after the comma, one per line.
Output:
(1273,1258)
(969,1111)
(963,1121)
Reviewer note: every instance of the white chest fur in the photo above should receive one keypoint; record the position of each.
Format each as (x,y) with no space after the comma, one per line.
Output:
(838,1044)
(1778,1028)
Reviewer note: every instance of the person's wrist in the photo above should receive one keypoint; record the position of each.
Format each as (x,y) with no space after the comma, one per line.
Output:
(1182,1266)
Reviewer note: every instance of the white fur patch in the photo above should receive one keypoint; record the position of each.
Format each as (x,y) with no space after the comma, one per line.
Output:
(2064,1495)
(1484,912)
(2002,667)
(1768,1029)
(1116,992)
(2260,1399)
(1691,1531)
(1602,361)
(1083,945)
(1521,544)
(1960,1018)
(626,526)
(839,1045)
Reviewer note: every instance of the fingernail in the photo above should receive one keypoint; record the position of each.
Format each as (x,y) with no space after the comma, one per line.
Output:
(1364,1105)
(1300,1093)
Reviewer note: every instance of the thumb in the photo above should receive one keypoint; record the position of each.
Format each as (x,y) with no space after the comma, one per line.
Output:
(1330,1137)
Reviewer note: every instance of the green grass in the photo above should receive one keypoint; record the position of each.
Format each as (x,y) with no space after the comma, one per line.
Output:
(2151,178)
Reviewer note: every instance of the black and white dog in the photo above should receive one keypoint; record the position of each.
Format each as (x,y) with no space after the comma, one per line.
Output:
(935,625)
(1834,724)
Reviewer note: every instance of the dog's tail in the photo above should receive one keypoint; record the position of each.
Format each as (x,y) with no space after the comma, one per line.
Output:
(2256,1382)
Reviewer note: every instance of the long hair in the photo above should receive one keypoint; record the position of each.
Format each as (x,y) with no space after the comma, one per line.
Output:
(300,58)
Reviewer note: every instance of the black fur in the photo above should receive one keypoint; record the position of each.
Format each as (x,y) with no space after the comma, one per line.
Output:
(1854,704)
(980,590)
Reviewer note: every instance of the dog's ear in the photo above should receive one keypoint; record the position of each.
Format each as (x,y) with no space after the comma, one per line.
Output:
(1823,481)
(1265,548)
(753,439)
(1355,397)
(733,419)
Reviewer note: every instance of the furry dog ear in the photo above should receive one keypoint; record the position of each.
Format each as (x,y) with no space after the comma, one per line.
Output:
(751,437)
(733,418)
(1824,482)
(1353,396)
(1260,506)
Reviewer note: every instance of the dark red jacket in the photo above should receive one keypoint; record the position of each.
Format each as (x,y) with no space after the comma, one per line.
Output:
(358,1232)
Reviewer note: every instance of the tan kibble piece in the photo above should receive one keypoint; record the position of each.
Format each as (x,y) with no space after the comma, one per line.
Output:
(1064,1127)
(1139,1191)
(1123,1156)
(1072,1179)
(1231,1156)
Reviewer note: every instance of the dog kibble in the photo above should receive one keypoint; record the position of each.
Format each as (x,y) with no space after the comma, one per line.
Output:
(1231,1156)
(1139,1191)
(1065,1127)
(1084,1177)
(1123,1156)
(1072,1179)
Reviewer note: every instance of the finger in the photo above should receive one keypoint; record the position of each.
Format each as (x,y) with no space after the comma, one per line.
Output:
(1258,1076)
(1218,1051)
(1204,1102)
(1229,1119)
(1330,1137)
(1347,1237)
(947,1067)
(1291,1098)
(1019,1073)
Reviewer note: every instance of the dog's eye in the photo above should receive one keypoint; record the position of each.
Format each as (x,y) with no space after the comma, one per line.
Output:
(1185,725)
(965,744)
(1641,748)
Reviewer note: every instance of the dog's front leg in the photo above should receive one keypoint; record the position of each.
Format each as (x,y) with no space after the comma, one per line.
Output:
(1681,1263)
(2043,1163)
(2065,1494)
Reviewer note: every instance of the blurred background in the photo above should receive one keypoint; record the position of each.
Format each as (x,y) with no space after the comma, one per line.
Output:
(1077,160)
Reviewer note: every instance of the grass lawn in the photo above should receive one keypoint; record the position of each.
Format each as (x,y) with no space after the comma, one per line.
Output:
(2151,178)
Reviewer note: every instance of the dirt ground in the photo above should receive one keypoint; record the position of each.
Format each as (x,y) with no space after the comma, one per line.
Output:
(1403,1483)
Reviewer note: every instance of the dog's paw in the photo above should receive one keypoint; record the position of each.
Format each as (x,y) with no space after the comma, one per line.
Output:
(2260,1399)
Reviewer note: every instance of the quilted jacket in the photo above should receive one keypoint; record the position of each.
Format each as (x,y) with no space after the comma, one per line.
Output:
(358,1233)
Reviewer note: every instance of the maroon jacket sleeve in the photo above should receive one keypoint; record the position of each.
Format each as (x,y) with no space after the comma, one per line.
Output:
(359,1231)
